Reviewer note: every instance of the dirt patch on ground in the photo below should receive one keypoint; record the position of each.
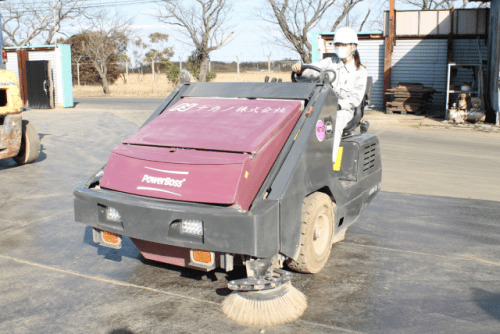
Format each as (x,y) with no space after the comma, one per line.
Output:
(381,119)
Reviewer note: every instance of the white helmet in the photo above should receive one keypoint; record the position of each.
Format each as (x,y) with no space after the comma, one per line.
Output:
(345,35)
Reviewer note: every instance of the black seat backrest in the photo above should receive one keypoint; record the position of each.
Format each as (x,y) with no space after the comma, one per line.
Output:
(360,110)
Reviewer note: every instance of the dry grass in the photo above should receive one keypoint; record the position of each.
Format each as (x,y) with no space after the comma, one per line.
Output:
(138,85)
(142,85)
(251,76)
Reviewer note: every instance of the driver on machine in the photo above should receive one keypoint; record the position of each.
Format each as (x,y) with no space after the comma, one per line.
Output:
(350,81)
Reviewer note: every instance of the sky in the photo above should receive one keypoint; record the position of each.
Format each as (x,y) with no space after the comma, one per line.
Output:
(252,39)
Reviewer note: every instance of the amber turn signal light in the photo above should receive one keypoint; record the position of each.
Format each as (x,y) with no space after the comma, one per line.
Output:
(110,237)
(202,256)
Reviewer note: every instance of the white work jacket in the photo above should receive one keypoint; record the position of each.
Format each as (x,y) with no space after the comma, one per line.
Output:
(349,84)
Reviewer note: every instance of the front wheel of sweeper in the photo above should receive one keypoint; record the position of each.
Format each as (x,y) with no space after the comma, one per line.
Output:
(316,234)
(30,145)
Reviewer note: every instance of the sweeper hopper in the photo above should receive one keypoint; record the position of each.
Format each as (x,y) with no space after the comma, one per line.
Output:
(228,174)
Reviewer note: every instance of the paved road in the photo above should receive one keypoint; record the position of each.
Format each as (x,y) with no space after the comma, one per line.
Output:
(120,104)
(413,263)
(441,162)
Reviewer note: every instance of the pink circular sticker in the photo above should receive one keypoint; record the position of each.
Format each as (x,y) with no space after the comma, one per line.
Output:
(320,130)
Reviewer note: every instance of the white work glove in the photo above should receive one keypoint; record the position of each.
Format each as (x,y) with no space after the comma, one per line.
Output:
(297,68)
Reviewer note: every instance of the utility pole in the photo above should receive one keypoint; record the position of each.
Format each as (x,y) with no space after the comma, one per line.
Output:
(153,68)
(389,47)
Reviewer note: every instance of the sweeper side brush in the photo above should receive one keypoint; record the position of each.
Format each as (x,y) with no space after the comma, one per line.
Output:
(266,297)
(267,307)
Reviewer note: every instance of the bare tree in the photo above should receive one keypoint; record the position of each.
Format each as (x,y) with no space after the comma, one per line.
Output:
(138,48)
(23,21)
(160,51)
(442,4)
(106,41)
(364,20)
(345,9)
(203,22)
(296,18)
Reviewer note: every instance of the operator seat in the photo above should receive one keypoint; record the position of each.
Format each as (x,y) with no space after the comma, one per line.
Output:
(359,112)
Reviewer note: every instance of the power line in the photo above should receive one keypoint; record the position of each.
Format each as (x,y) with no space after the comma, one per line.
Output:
(118,3)
(44,6)
(89,2)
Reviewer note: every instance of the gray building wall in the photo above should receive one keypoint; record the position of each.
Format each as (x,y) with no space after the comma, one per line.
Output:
(471,51)
(422,58)
(2,65)
(372,56)
(422,61)
(494,56)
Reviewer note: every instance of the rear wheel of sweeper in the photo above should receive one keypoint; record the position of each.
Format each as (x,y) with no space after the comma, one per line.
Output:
(30,145)
(316,234)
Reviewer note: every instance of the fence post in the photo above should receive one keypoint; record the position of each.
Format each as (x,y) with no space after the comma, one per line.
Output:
(153,69)
(126,69)
(238,67)
(78,69)
(78,72)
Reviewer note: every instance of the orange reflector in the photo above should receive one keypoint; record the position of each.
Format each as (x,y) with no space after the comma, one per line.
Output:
(110,238)
(202,256)
(309,111)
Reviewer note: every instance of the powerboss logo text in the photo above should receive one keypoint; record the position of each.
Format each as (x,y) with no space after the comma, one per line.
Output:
(166,181)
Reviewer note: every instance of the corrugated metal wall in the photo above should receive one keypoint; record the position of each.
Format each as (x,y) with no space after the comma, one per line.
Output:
(372,56)
(417,60)
(422,61)
(494,55)
(469,51)
(1,45)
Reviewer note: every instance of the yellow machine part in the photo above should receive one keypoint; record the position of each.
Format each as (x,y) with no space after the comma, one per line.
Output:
(10,98)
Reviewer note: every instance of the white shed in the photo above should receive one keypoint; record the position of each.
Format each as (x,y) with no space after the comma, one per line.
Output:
(50,83)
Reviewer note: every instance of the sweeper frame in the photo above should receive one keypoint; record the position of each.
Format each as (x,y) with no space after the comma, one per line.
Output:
(295,208)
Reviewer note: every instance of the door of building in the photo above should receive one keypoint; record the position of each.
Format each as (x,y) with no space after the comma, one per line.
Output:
(39,82)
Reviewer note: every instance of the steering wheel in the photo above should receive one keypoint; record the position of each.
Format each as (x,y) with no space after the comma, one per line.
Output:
(323,72)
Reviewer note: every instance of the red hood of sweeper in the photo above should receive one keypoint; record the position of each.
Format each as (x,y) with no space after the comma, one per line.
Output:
(204,150)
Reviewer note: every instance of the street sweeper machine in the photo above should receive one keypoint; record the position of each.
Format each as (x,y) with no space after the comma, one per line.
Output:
(238,174)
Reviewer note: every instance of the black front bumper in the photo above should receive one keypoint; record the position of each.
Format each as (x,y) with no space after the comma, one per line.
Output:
(254,233)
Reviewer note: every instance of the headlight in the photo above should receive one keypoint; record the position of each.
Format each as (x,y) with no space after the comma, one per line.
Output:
(113,215)
(192,227)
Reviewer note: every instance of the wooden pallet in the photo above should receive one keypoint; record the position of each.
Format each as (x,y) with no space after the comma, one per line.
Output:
(404,111)
(409,98)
